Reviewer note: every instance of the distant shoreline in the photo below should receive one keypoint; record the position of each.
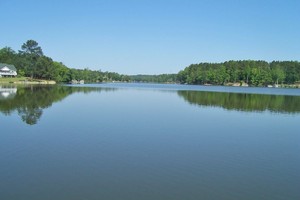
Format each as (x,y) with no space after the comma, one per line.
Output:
(29,81)
(237,84)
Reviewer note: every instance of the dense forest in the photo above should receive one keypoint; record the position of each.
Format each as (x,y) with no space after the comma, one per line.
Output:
(162,78)
(31,62)
(254,73)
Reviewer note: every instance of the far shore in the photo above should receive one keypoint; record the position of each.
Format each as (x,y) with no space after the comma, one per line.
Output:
(30,81)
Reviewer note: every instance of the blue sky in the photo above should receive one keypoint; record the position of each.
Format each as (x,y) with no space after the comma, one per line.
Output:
(153,36)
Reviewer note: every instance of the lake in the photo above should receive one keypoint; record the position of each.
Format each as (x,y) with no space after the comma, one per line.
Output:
(149,142)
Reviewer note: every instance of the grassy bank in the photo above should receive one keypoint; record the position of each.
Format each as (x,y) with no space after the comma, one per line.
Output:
(24,80)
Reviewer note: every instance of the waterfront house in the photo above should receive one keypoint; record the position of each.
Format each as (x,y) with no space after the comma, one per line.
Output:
(7,70)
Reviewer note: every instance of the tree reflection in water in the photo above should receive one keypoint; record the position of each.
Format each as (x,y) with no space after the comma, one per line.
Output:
(30,101)
(243,102)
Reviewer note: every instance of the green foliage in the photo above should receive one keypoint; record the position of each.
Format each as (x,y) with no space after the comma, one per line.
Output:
(31,62)
(7,55)
(255,73)
(31,47)
(162,78)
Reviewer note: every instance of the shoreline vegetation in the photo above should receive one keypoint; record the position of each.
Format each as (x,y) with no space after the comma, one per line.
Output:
(33,67)
(25,80)
(29,81)
(243,73)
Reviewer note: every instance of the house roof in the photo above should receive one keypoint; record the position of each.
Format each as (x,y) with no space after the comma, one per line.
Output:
(11,67)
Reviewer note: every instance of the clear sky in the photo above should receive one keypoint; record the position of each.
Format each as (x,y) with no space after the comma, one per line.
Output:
(153,36)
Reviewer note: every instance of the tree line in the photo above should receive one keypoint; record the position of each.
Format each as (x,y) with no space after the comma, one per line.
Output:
(161,78)
(255,73)
(30,61)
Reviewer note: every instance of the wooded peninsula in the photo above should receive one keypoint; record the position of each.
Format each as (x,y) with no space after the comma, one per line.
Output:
(31,62)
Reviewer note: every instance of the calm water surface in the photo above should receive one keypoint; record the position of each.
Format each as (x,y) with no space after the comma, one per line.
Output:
(143,141)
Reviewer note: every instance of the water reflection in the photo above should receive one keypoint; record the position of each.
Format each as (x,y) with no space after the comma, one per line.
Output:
(29,101)
(7,91)
(243,102)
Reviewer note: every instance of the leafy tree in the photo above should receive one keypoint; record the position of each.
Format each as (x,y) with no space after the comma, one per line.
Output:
(278,74)
(62,73)
(31,47)
(7,55)
(31,53)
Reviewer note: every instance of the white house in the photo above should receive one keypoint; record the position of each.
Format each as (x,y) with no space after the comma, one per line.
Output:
(7,70)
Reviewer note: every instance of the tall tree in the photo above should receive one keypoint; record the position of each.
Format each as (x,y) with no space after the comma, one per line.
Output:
(7,55)
(32,47)
(278,74)
(31,51)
